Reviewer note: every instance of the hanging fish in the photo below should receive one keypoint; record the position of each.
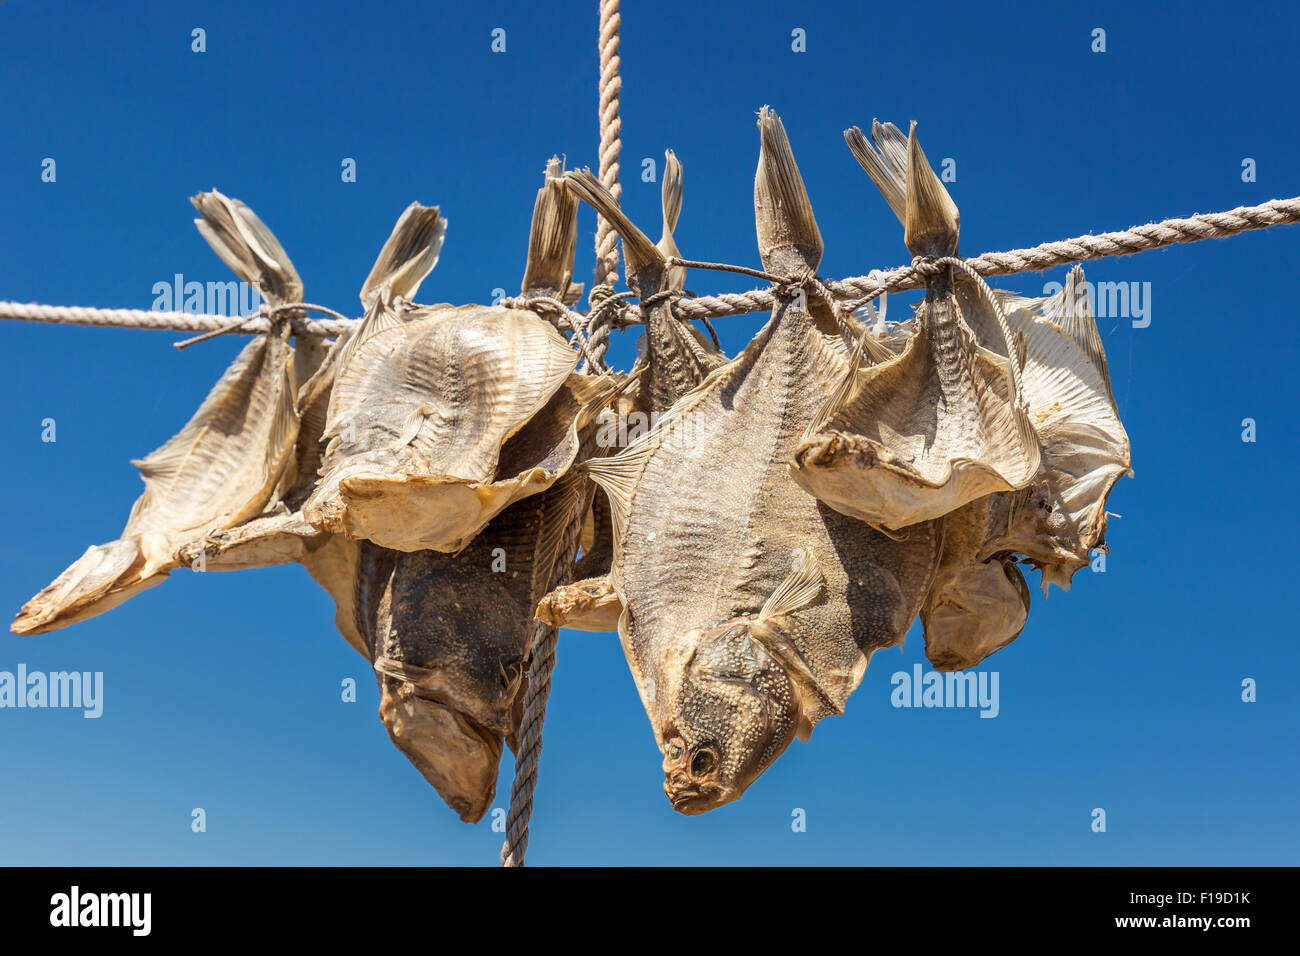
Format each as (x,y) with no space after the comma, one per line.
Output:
(673,358)
(980,599)
(281,535)
(222,467)
(917,436)
(441,416)
(449,637)
(1061,517)
(750,608)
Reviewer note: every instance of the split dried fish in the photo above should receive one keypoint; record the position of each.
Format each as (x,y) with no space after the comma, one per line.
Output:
(918,436)
(222,467)
(750,608)
(434,415)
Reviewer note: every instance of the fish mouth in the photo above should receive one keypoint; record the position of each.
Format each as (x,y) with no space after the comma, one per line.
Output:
(452,750)
(692,801)
(435,685)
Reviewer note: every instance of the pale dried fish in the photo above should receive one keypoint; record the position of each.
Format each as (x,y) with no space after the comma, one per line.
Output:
(917,436)
(449,637)
(750,608)
(223,467)
(425,407)
(1061,517)
(674,356)
(975,605)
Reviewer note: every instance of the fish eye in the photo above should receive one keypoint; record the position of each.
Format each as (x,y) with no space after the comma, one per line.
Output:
(703,762)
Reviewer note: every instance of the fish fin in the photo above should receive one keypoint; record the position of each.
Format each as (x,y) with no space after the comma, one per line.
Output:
(553,235)
(639,251)
(1071,311)
(618,476)
(788,236)
(408,256)
(245,244)
(671,202)
(885,162)
(400,670)
(801,587)
(560,504)
(931,224)
(843,389)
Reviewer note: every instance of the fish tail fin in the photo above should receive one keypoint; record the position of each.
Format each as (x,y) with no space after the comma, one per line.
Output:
(245,244)
(638,250)
(783,217)
(553,236)
(931,224)
(408,256)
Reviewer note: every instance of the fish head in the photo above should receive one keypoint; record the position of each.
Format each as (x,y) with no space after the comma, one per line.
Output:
(454,752)
(729,712)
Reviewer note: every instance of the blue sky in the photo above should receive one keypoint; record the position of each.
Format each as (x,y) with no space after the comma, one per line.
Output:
(222,690)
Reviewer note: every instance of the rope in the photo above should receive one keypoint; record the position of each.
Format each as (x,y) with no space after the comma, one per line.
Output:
(859,289)
(602,301)
(541,664)
(171,321)
(1211,225)
(611,145)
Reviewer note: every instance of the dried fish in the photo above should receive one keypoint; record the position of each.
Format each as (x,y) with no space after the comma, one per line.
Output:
(449,637)
(673,359)
(915,437)
(434,414)
(1061,517)
(222,467)
(976,605)
(750,608)
(674,356)
(980,599)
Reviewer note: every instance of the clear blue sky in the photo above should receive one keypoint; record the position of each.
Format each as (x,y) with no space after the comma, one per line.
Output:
(222,690)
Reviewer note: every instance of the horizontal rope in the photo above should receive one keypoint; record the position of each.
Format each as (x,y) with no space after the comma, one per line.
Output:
(1212,225)
(150,319)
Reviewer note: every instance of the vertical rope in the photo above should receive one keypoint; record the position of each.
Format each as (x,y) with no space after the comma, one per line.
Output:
(611,144)
(541,662)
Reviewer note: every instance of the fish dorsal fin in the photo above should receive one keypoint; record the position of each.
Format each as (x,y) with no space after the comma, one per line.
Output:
(1071,311)
(800,588)
(638,250)
(408,256)
(788,237)
(553,235)
(843,389)
(671,202)
(243,242)
(560,504)
(618,475)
